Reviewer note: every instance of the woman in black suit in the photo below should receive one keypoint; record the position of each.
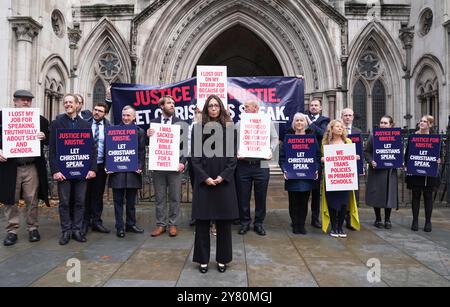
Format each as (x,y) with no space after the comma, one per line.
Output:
(214,195)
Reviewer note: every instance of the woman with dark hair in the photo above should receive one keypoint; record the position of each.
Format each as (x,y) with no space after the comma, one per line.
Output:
(214,195)
(422,185)
(382,184)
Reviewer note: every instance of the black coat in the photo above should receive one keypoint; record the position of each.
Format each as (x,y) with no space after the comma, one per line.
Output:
(131,180)
(64,122)
(8,170)
(319,127)
(219,202)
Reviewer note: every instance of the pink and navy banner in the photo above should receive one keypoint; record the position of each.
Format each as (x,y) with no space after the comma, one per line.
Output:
(280,97)
(301,157)
(121,149)
(388,148)
(423,155)
(74,152)
(358,141)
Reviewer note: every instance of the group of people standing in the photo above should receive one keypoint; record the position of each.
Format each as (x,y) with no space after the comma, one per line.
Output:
(222,183)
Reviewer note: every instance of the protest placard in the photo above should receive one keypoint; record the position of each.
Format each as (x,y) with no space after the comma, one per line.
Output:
(212,80)
(254,136)
(74,152)
(341,169)
(388,148)
(19,130)
(301,155)
(164,152)
(121,149)
(358,141)
(423,155)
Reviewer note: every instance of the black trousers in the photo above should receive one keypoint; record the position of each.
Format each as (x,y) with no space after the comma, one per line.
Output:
(315,205)
(75,190)
(94,197)
(249,175)
(337,218)
(119,195)
(387,214)
(202,246)
(298,208)
(428,200)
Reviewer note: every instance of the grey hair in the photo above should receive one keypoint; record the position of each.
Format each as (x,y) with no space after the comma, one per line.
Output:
(255,102)
(129,108)
(301,115)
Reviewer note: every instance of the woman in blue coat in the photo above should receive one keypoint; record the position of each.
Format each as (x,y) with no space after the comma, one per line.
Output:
(299,189)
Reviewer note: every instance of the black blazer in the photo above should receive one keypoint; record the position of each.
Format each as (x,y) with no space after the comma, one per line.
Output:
(8,170)
(175,121)
(319,127)
(64,122)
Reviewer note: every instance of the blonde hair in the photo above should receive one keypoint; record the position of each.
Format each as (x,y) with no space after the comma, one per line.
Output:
(328,136)
(430,120)
(301,115)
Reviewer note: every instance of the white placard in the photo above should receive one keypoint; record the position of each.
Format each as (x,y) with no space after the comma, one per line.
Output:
(164,153)
(19,129)
(341,167)
(254,136)
(212,80)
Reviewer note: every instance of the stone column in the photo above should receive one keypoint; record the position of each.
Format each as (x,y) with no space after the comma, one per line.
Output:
(331,96)
(26,29)
(407,38)
(74,35)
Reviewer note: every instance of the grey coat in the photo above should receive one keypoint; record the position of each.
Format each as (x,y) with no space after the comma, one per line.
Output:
(382,184)
(131,180)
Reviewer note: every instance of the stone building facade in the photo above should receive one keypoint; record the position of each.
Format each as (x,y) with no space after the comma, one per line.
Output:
(378,57)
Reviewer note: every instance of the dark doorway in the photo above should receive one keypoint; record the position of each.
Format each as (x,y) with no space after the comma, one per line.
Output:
(243,52)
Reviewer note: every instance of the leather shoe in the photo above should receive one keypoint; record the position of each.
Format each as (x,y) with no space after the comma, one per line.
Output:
(120,233)
(100,228)
(34,236)
(388,225)
(203,268)
(10,240)
(259,229)
(378,224)
(65,238)
(415,226)
(244,229)
(158,231)
(79,237)
(299,230)
(428,227)
(173,232)
(316,224)
(222,268)
(134,229)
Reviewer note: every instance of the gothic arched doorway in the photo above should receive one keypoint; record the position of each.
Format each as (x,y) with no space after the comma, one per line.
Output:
(243,52)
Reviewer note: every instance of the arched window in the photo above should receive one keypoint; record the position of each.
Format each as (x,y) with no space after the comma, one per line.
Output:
(99,92)
(378,102)
(360,105)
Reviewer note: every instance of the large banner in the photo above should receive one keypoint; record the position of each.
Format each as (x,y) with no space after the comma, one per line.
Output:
(20,128)
(341,169)
(423,155)
(254,136)
(301,155)
(358,141)
(388,148)
(121,149)
(280,98)
(164,151)
(73,151)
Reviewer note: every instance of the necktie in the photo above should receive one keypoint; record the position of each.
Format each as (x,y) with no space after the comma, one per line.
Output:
(97,132)
(313,118)
(166,120)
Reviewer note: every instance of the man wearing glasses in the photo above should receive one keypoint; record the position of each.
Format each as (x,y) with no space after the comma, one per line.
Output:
(96,186)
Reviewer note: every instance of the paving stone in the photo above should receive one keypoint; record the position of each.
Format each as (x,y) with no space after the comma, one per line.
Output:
(411,275)
(120,283)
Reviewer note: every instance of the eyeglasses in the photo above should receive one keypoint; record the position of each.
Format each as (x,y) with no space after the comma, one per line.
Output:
(214,106)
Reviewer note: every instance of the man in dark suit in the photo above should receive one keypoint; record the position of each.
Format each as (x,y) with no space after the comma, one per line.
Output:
(84,114)
(71,227)
(167,181)
(318,126)
(347,117)
(24,178)
(96,186)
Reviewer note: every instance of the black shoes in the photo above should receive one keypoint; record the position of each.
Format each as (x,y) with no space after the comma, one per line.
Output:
(388,225)
(244,229)
(65,238)
(79,237)
(222,268)
(100,228)
(10,240)
(120,233)
(415,225)
(259,229)
(134,229)
(84,229)
(34,236)
(428,227)
(316,224)
(378,224)
(299,230)
(203,268)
